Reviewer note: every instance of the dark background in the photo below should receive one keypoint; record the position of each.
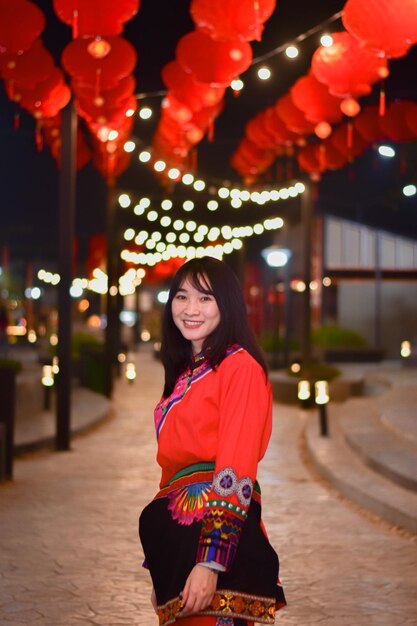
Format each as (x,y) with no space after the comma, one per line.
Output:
(368,190)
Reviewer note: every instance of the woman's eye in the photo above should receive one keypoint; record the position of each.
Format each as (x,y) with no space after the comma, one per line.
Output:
(206,298)
(180,296)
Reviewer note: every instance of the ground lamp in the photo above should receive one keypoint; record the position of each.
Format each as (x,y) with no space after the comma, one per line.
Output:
(304,393)
(321,390)
(47,381)
(281,257)
(130,372)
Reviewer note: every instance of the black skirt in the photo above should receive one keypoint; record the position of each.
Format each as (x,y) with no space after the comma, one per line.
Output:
(250,590)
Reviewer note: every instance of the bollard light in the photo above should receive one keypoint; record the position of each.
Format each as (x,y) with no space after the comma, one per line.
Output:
(321,391)
(405,349)
(47,379)
(55,366)
(321,388)
(304,392)
(130,372)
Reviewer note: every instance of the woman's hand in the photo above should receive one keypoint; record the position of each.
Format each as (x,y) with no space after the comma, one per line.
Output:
(153,601)
(199,589)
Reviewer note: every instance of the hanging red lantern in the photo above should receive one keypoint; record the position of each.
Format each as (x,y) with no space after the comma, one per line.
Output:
(394,123)
(330,158)
(348,141)
(308,158)
(346,68)
(256,132)
(91,18)
(292,116)
(411,118)
(350,107)
(276,126)
(48,98)
(27,69)
(21,23)
(99,48)
(314,100)
(213,62)
(185,89)
(387,26)
(124,88)
(367,124)
(117,64)
(232,19)
(179,112)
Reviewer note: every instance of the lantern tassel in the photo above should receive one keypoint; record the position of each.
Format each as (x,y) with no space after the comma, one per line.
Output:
(16,120)
(258,30)
(97,85)
(75,23)
(210,131)
(38,136)
(382,99)
(194,158)
(322,157)
(350,135)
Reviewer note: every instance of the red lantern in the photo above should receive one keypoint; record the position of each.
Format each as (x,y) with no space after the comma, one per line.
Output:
(308,158)
(330,158)
(213,62)
(28,69)
(232,19)
(394,123)
(292,116)
(367,124)
(185,89)
(21,23)
(91,18)
(347,68)
(315,101)
(348,141)
(124,88)
(411,118)
(117,64)
(275,126)
(256,132)
(387,26)
(46,101)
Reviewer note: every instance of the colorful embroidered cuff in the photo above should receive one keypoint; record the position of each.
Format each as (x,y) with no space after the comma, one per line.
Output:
(219,538)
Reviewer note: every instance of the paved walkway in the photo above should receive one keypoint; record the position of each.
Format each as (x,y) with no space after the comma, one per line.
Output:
(68,531)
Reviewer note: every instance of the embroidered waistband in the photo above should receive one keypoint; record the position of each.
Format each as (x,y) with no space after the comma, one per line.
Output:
(196,473)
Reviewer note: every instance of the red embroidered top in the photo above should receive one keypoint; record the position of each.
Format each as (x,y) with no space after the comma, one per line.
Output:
(222,416)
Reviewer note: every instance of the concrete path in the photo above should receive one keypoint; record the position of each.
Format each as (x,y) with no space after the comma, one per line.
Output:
(68,531)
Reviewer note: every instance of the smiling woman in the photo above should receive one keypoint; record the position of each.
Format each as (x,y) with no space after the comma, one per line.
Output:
(195,312)
(204,541)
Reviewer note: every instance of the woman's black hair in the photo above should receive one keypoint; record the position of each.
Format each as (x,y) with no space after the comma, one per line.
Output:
(214,277)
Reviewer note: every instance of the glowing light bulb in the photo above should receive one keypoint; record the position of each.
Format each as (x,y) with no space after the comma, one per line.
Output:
(292,52)
(264,73)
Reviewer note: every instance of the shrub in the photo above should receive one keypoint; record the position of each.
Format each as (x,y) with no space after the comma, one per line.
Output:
(336,337)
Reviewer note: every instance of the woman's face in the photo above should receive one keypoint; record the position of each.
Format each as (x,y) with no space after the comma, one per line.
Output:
(195,314)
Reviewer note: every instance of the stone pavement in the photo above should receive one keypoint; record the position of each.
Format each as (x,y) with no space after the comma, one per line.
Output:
(68,531)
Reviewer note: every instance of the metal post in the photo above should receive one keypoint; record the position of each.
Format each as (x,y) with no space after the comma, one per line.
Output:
(111,297)
(378,290)
(324,431)
(66,231)
(306,222)
(287,311)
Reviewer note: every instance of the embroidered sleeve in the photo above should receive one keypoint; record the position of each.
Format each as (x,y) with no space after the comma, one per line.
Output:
(244,431)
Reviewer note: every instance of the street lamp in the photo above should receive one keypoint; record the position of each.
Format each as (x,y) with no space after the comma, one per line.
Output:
(278,257)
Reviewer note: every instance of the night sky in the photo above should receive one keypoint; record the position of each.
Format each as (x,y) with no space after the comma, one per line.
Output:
(368,191)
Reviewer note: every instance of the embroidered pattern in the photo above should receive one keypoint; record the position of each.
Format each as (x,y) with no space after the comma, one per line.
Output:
(244,491)
(225,483)
(182,386)
(227,605)
(187,503)
(219,537)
